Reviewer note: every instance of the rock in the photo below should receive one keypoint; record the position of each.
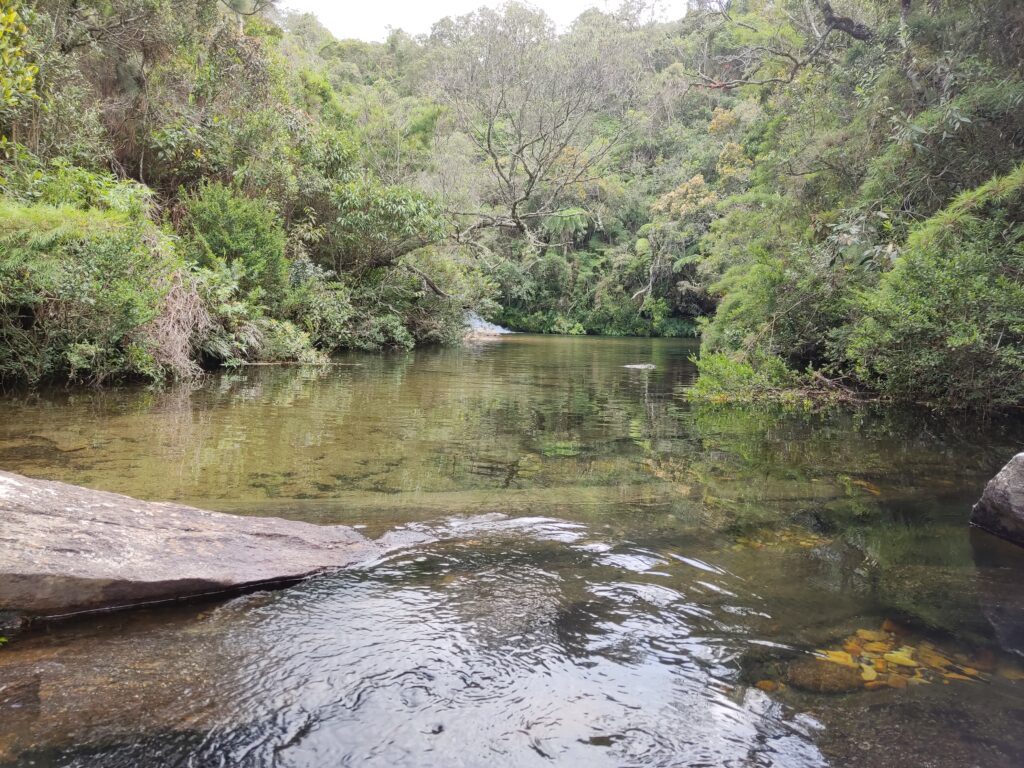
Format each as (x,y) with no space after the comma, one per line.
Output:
(641,366)
(1001,507)
(66,549)
(820,676)
(12,623)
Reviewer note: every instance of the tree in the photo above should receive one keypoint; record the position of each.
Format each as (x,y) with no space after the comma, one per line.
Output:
(768,43)
(531,103)
(17,72)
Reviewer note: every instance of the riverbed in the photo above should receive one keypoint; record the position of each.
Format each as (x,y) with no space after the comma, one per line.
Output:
(610,575)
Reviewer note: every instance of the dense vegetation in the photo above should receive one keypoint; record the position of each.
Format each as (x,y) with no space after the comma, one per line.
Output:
(831,196)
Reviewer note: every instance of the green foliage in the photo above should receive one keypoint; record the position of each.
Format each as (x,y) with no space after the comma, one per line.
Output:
(225,227)
(321,306)
(17,71)
(807,209)
(282,341)
(823,254)
(79,290)
(946,325)
(60,183)
(725,379)
(948,148)
(375,224)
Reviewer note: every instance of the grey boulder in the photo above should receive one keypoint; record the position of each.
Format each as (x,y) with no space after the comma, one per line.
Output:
(1001,507)
(66,549)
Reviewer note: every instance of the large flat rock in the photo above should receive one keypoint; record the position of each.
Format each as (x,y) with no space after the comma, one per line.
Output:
(66,549)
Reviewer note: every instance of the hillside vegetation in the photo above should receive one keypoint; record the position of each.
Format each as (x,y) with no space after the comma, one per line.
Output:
(829,194)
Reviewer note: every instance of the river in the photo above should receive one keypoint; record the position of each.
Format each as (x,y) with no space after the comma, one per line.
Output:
(611,576)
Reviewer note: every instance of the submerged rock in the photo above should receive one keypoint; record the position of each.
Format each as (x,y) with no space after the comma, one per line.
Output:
(66,549)
(1001,507)
(818,675)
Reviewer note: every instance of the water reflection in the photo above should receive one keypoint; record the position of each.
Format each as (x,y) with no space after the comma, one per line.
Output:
(584,570)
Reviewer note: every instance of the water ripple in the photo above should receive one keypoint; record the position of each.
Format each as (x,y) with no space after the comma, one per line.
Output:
(539,644)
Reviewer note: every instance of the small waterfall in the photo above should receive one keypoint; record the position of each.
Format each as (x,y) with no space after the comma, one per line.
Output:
(477,326)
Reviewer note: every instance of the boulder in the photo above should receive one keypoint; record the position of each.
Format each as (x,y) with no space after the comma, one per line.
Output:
(66,549)
(1001,507)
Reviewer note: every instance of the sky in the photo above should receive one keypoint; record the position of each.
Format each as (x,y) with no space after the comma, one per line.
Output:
(370,19)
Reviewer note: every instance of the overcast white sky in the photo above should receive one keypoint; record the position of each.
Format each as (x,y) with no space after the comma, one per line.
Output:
(370,19)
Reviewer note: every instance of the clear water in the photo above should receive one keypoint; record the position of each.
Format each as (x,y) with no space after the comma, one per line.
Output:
(609,573)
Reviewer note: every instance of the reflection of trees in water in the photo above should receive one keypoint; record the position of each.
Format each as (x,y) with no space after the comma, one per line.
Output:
(885,493)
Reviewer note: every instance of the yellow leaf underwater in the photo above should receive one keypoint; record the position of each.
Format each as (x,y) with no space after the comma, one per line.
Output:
(1011,673)
(872,635)
(837,657)
(956,676)
(932,659)
(900,659)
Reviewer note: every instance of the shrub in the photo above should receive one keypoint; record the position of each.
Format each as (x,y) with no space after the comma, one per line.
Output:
(777,306)
(725,379)
(224,226)
(82,294)
(26,179)
(372,331)
(318,303)
(282,341)
(946,325)
(239,331)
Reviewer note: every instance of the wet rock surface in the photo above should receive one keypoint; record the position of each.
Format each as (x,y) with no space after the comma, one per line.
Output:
(66,549)
(1001,507)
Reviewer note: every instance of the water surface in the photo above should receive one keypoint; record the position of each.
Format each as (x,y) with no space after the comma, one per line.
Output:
(611,577)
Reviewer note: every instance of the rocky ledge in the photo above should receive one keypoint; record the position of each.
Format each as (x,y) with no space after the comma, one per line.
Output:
(66,549)
(1001,507)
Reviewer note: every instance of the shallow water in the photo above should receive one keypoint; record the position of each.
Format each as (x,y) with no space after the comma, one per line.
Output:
(608,574)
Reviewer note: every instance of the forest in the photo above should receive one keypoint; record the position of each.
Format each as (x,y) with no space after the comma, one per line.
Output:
(829,195)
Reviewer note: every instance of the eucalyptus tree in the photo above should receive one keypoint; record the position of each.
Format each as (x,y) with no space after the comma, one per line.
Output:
(541,110)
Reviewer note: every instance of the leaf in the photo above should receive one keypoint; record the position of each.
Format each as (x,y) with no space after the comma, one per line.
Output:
(900,659)
(837,657)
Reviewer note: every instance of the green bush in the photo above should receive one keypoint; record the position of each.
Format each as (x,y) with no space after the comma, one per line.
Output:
(323,308)
(79,293)
(781,306)
(224,226)
(239,331)
(374,331)
(282,341)
(23,177)
(946,325)
(725,379)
